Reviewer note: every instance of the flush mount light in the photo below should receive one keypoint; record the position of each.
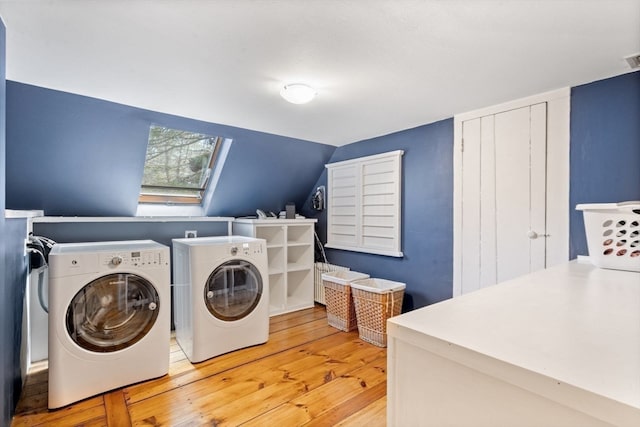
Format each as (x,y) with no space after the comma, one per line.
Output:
(633,61)
(298,93)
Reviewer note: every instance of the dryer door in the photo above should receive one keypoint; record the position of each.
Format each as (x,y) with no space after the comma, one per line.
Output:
(233,290)
(112,312)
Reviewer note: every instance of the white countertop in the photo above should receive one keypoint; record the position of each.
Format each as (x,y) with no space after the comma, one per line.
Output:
(574,324)
(273,221)
(13,213)
(61,219)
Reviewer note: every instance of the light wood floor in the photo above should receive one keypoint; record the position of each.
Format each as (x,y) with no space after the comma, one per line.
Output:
(307,374)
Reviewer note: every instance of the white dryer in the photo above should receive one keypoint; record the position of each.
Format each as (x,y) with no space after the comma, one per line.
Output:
(220,294)
(109,317)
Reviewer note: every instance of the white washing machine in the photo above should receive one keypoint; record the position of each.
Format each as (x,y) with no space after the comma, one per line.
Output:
(220,294)
(109,317)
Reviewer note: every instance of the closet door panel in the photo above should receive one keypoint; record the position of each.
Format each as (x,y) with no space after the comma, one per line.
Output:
(471,226)
(514,189)
(488,262)
(512,193)
(538,180)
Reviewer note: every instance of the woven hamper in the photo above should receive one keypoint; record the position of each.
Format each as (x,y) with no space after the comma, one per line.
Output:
(339,302)
(376,300)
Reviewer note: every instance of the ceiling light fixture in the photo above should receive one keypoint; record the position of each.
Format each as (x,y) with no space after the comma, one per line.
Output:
(298,93)
(633,61)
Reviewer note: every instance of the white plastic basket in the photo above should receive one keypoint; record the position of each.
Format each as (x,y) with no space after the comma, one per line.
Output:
(613,234)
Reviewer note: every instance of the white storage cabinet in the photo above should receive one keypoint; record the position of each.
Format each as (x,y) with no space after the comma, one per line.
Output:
(290,254)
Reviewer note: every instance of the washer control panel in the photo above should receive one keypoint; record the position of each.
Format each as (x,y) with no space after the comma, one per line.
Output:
(140,259)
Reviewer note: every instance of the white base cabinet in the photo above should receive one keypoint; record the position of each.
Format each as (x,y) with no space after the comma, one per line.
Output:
(290,254)
(559,347)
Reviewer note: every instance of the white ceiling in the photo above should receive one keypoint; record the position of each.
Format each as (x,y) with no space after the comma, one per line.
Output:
(379,66)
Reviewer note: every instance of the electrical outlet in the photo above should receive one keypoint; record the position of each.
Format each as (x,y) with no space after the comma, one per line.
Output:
(190,234)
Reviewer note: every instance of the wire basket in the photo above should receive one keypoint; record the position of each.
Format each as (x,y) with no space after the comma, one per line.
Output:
(613,234)
(376,300)
(318,287)
(341,312)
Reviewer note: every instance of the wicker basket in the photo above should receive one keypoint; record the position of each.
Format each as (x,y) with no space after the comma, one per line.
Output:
(341,312)
(376,300)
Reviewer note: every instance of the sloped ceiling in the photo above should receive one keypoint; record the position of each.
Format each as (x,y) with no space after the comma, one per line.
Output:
(379,65)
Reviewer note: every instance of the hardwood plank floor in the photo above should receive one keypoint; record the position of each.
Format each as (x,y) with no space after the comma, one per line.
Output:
(307,374)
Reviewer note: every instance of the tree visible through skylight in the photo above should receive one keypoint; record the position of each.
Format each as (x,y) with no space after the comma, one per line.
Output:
(177,165)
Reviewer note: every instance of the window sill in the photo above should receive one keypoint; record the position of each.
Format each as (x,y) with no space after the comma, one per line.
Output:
(153,209)
(385,252)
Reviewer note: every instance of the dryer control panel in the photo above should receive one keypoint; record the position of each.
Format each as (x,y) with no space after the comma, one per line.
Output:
(246,248)
(139,259)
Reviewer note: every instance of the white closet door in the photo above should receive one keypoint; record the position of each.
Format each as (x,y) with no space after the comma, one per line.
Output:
(503,196)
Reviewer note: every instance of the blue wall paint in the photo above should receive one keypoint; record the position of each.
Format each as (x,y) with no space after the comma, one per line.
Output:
(605,148)
(73,155)
(427,213)
(267,171)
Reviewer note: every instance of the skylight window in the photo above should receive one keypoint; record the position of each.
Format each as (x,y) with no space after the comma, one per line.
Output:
(178,166)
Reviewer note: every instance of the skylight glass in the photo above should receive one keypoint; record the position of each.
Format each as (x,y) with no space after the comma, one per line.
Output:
(177,166)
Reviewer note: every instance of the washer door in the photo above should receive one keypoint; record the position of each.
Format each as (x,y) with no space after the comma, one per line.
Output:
(112,312)
(233,290)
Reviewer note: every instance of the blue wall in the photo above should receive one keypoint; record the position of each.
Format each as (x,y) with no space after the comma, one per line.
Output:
(79,156)
(427,213)
(605,148)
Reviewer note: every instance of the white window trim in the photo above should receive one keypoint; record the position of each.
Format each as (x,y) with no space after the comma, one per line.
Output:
(393,199)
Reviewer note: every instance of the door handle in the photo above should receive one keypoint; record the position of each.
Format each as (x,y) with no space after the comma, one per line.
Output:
(533,235)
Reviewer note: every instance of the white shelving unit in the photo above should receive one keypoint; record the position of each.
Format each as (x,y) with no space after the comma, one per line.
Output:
(290,254)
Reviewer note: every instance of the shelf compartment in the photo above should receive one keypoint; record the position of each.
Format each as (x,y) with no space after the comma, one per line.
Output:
(276,293)
(275,256)
(297,234)
(274,235)
(300,288)
(299,257)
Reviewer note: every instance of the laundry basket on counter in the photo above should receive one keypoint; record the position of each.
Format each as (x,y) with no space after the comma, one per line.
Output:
(341,312)
(376,300)
(613,234)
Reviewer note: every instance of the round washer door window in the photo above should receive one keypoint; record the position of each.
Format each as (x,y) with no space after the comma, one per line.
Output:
(112,312)
(233,290)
